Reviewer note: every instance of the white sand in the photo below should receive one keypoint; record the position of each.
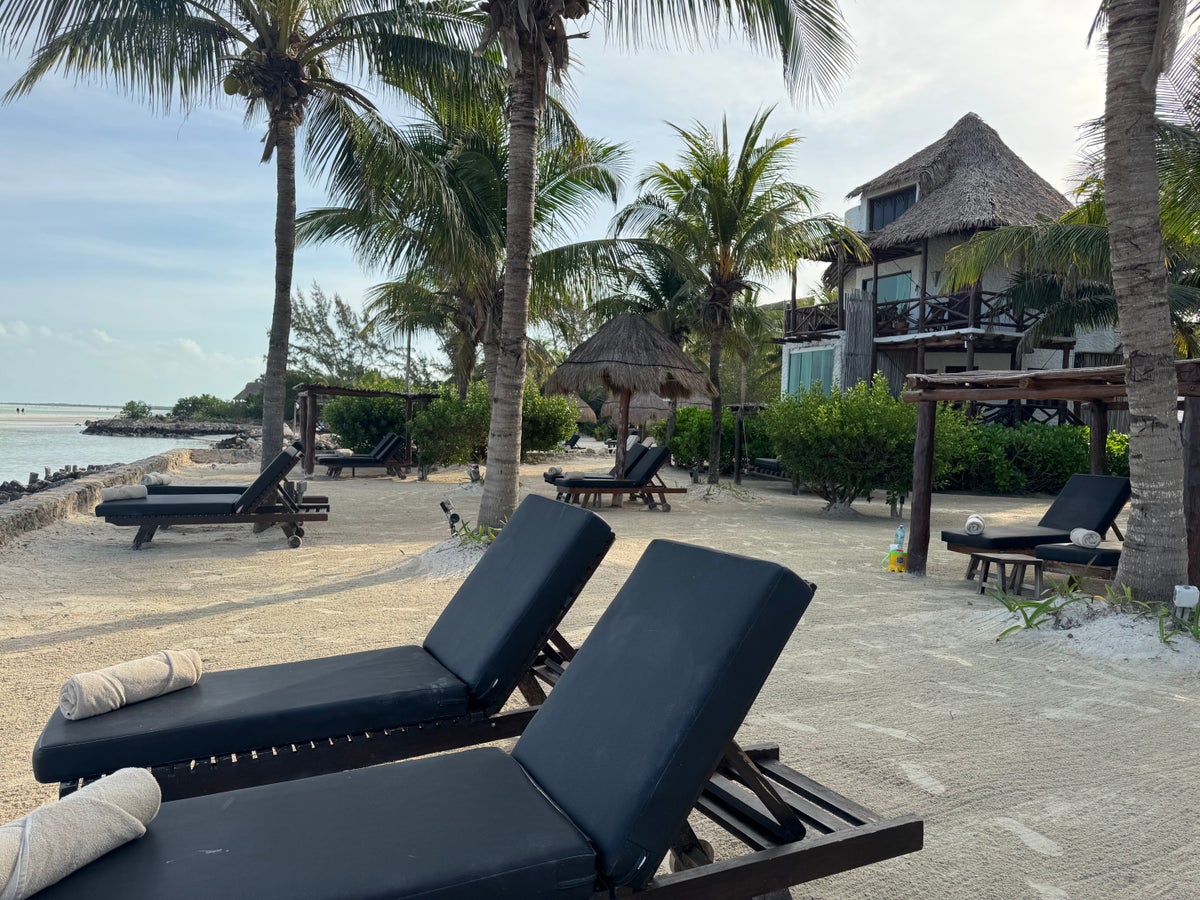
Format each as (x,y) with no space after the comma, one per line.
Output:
(1051,764)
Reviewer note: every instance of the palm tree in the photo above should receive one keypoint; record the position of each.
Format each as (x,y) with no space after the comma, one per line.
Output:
(1121,249)
(446,243)
(733,216)
(1060,269)
(279,56)
(810,36)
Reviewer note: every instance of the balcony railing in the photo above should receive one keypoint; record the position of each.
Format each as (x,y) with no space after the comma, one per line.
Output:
(984,310)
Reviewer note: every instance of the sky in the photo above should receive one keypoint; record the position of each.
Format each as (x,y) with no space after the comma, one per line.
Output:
(136,248)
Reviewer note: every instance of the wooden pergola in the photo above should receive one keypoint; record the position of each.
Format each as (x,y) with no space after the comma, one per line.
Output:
(307,394)
(1101,388)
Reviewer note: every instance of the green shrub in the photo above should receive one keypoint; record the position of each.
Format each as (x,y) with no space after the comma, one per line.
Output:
(693,431)
(844,445)
(451,431)
(1116,451)
(360,422)
(135,409)
(545,421)
(207,408)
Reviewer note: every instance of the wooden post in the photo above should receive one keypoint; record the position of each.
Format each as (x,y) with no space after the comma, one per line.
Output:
(921,349)
(1098,438)
(921,306)
(309,416)
(738,444)
(973,307)
(1191,484)
(922,499)
(874,312)
(970,353)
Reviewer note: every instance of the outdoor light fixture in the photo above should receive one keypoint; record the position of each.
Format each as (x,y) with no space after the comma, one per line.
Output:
(1186,598)
(453,518)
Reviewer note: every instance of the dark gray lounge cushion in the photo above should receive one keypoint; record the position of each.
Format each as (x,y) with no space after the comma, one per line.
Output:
(495,624)
(253,708)
(169,505)
(631,458)
(1107,555)
(1086,501)
(461,826)
(636,475)
(628,737)
(377,457)
(269,478)
(1007,537)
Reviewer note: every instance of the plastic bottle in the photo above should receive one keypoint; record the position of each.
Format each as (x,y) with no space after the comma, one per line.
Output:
(899,544)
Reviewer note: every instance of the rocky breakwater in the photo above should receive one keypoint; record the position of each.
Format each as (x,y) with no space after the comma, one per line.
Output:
(14,490)
(161,426)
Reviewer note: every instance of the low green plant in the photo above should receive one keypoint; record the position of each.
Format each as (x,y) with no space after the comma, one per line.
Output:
(481,535)
(135,409)
(693,431)
(1033,611)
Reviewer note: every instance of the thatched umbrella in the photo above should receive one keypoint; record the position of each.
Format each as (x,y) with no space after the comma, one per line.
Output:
(587,415)
(629,356)
(643,409)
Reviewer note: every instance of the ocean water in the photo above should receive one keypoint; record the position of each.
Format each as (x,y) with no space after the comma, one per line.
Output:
(50,435)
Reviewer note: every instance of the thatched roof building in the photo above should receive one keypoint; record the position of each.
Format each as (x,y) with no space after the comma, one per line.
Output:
(966,181)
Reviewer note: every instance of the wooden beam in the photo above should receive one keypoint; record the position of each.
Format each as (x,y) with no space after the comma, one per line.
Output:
(1015,392)
(1191,485)
(1098,438)
(922,499)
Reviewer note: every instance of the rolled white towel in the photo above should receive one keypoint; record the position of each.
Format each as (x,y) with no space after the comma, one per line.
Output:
(554,470)
(57,839)
(975,524)
(123,492)
(343,451)
(155,478)
(1082,537)
(92,693)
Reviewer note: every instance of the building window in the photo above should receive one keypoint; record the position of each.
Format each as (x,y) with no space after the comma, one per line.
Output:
(887,209)
(892,287)
(810,367)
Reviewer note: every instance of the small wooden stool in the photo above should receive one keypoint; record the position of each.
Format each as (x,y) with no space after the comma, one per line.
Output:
(1013,582)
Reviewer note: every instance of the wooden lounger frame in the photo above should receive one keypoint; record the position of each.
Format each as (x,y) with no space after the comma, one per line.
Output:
(268,765)
(591,494)
(796,829)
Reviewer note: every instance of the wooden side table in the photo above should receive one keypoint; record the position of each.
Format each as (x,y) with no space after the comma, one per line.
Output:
(1011,567)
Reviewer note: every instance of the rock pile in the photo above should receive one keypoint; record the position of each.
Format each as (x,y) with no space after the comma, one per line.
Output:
(13,490)
(160,426)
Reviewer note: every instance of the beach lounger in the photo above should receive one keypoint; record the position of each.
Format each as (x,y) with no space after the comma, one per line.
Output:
(1086,501)
(383,456)
(637,733)
(268,723)
(631,457)
(301,499)
(641,481)
(264,503)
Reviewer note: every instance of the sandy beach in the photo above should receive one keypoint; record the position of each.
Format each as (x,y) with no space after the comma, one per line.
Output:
(1051,764)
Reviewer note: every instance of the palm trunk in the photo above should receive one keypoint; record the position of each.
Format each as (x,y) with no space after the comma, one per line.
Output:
(491,367)
(504,434)
(275,380)
(714,375)
(1155,554)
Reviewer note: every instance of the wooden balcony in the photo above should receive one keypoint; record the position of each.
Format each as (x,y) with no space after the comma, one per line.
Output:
(917,318)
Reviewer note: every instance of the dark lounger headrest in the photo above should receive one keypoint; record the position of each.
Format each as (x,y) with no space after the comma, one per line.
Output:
(516,595)
(647,466)
(1088,501)
(269,478)
(627,739)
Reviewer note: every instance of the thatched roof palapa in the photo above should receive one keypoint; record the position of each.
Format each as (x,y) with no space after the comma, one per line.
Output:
(967,180)
(628,354)
(587,415)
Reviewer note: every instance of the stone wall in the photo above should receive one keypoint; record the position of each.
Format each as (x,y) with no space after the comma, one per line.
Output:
(46,507)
